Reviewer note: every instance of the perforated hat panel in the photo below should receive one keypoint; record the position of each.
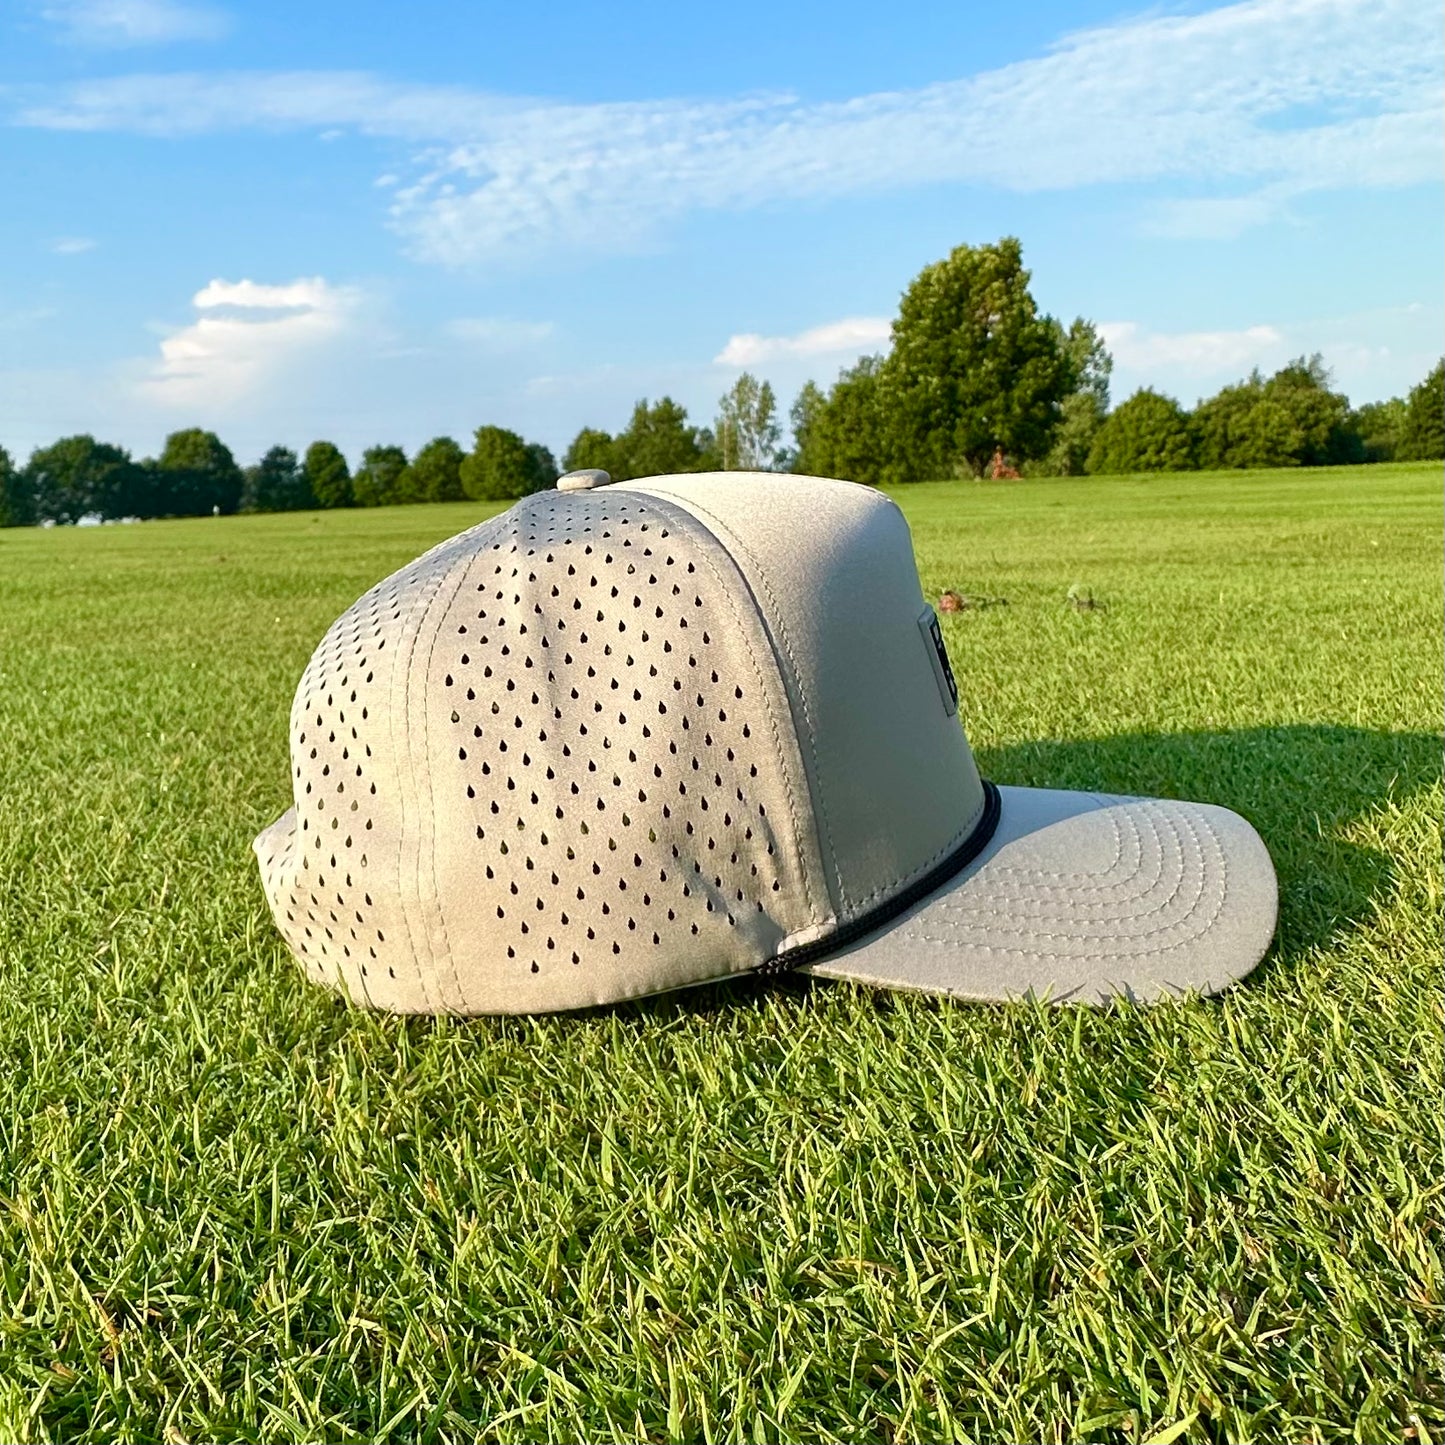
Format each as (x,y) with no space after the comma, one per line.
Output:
(894,785)
(589,789)
(329,864)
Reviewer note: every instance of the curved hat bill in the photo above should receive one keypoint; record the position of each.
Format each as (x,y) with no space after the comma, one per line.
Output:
(1083,898)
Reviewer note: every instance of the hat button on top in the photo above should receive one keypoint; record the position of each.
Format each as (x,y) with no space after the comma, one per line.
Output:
(582,481)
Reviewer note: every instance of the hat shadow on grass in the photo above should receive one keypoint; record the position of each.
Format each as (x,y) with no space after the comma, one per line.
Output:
(1302,786)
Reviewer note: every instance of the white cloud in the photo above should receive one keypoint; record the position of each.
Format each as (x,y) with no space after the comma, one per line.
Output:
(71,245)
(1137,349)
(1269,98)
(1216,218)
(248,335)
(1370,354)
(135,22)
(854,334)
(497,333)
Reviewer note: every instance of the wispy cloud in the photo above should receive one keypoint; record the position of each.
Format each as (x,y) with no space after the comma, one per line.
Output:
(854,334)
(497,333)
(1250,104)
(71,245)
(247,334)
(1371,354)
(122,23)
(28,316)
(1137,349)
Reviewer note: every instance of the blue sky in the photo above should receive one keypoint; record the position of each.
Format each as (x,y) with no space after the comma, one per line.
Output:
(376,223)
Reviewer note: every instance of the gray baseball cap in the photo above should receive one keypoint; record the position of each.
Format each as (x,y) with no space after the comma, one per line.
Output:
(623,739)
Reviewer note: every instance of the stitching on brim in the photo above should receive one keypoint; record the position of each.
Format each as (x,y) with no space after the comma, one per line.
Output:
(1104,801)
(993,902)
(1043,892)
(1116,952)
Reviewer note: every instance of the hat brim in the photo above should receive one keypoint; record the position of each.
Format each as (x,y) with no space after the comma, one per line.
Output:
(1083,898)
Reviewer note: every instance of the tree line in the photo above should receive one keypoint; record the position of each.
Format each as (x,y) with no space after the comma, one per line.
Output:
(197,475)
(975,371)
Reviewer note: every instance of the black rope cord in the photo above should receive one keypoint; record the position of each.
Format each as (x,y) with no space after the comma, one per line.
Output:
(919,889)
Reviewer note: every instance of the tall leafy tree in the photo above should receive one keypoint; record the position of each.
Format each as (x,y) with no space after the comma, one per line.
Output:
(501,465)
(1381,426)
(436,471)
(1147,433)
(544,464)
(1319,415)
(1292,419)
(1221,424)
(747,431)
(1082,411)
(195,475)
(659,441)
(380,479)
(277,483)
(16,505)
(973,366)
(78,477)
(804,411)
(591,448)
(1423,436)
(1089,362)
(847,434)
(328,478)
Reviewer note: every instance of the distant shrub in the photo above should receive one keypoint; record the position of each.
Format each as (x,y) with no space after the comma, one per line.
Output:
(1148,433)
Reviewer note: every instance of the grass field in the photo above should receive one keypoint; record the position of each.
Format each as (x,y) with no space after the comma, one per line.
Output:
(232,1208)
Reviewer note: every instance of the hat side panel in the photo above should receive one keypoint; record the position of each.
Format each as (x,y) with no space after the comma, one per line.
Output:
(831,563)
(618,800)
(334,893)
(332,866)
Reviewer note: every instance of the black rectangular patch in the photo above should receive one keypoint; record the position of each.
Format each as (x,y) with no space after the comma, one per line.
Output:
(938,654)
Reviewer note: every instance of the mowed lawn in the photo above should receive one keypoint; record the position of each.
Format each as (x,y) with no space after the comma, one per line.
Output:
(232,1207)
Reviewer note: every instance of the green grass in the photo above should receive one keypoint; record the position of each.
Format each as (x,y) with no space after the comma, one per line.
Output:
(233,1208)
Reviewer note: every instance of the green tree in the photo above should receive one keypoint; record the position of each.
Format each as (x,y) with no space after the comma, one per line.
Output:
(1269,436)
(1294,419)
(1083,410)
(501,465)
(1089,362)
(1080,421)
(277,483)
(1423,435)
(1147,433)
(1319,416)
(544,465)
(591,448)
(328,478)
(973,366)
(78,477)
(436,472)
(659,442)
(747,429)
(1381,426)
(846,436)
(16,504)
(805,409)
(380,479)
(195,475)
(1221,424)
